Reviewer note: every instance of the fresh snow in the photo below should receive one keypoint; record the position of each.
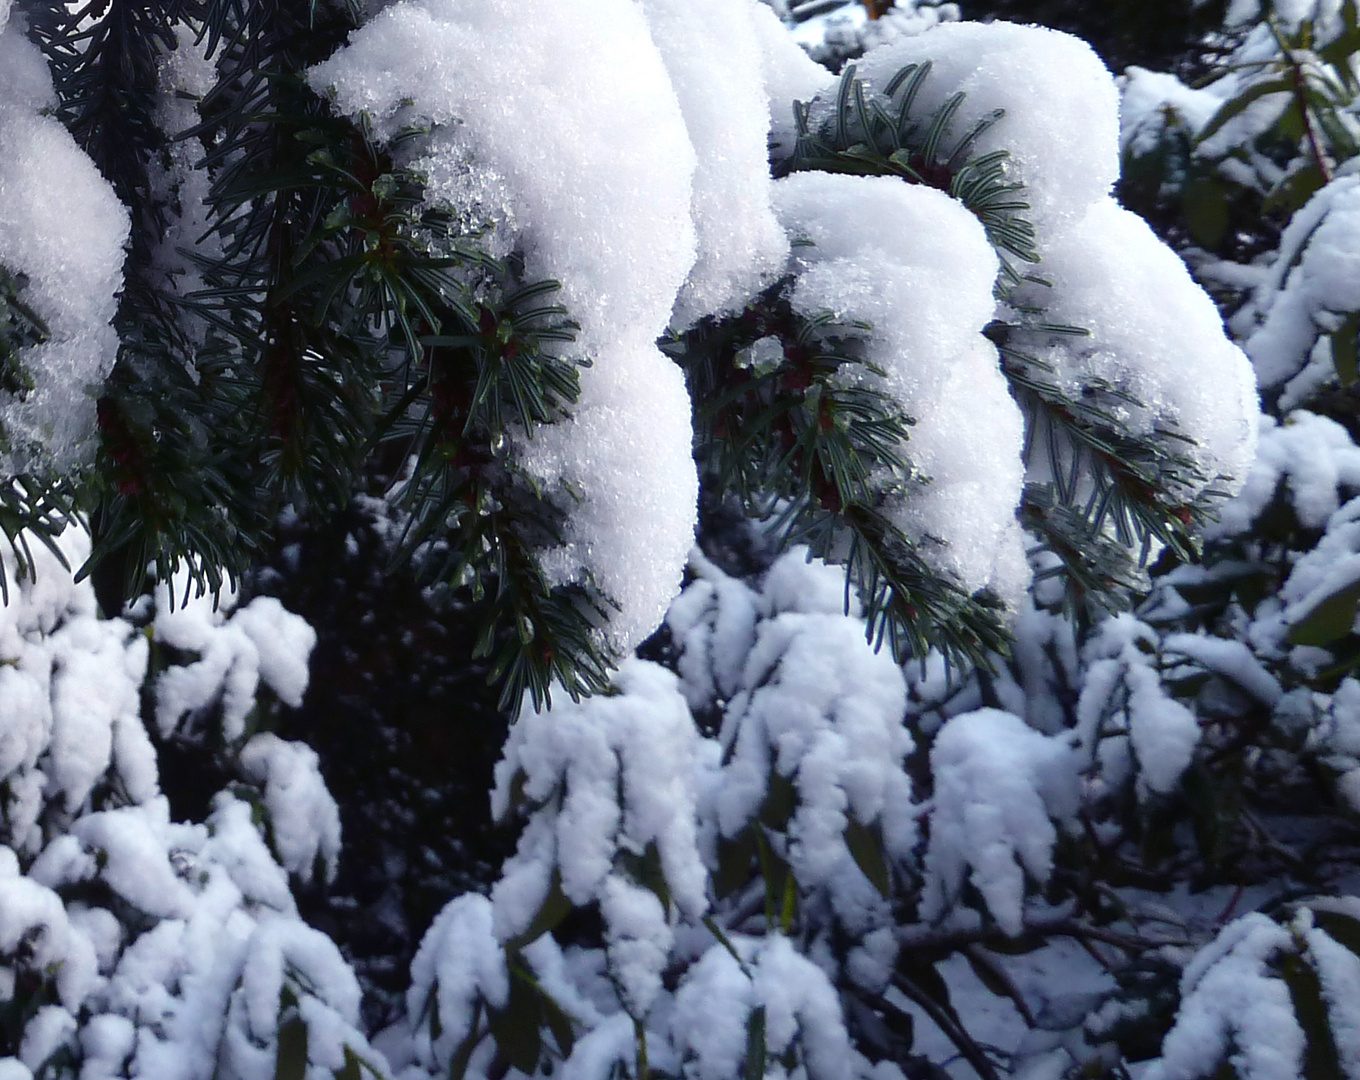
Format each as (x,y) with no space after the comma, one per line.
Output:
(63,229)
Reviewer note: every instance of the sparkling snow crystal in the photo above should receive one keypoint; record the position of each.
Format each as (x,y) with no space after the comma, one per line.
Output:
(62,231)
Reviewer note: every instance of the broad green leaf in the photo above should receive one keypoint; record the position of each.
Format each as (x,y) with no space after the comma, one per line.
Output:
(1344,929)
(458,1066)
(867,850)
(755,1046)
(1329,620)
(735,857)
(559,1023)
(780,802)
(1344,346)
(1320,1060)
(646,870)
(1240,103)
(291,1063)
(1294,190)
(517,1027)
(1205,206)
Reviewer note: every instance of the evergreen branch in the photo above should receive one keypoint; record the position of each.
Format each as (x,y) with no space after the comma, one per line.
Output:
(791,423)
(872,134)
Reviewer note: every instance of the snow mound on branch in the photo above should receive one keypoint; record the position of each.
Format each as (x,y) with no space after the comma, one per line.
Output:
(608,779)
(819,708)
(1062,108)
(1231,1005)
(713,56)
(1156,336)
(305,818)
(63,230)
(563,120)
(1314,281)
(459,962)
(714,1003)
(917,266)
(69,694)
(237,651)
(1315,460)
(997,782)
(1124,708)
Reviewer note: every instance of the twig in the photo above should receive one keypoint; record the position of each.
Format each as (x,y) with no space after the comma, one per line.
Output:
(955,1032)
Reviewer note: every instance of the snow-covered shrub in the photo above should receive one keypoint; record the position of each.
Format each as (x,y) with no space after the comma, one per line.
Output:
(1257,165)
(916,324)
(131,944)
(1271,999)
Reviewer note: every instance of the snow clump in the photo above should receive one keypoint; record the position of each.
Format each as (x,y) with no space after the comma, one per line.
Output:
(62,234)
(596,193)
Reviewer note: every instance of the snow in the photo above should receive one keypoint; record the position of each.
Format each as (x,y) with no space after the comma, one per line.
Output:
(713,621)
(599,199)
(1122,697)
(1315,460)
(607,776)
(917,266)
(459,962)
(50,1029)
(1338,971)
(304,819)
(61,227)
(1232,1008)
(789,75)
(1147,98)
(259,643)
(714,1003)
(1314,281)
(1147,318)
(713,57)
(1333,564)
(997,781)
(1061,125)
(819,707)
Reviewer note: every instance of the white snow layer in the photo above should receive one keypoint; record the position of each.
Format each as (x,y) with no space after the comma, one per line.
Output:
(1155,335)
(1233,1008)
(1312,456)
(569,114)
(183,977)
(917,266)
(997,782)
(1313,284)
(608,775)
(1062,108)
(63,229)
(713,56)
(820,708)
(261,642)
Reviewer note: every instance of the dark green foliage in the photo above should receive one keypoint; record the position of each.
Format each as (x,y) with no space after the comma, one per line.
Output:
(20,328)
(1104,475)
(341,324)
(339,327)
(804,440)
(1150,33)
(887,135)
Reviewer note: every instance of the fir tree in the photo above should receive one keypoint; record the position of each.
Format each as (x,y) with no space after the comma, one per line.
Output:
(299,322)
